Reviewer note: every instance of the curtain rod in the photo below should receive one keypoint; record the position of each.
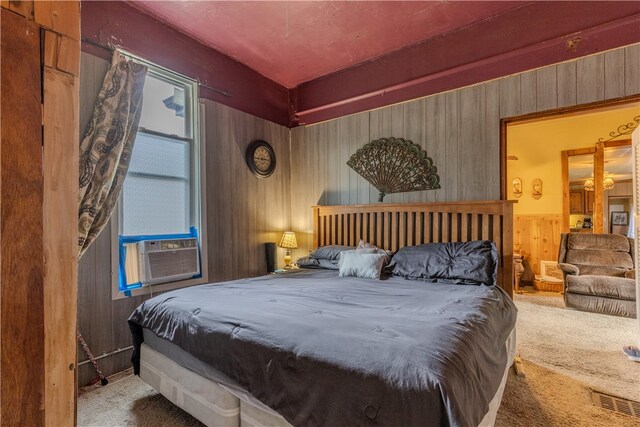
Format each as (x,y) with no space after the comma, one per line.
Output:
(110,48)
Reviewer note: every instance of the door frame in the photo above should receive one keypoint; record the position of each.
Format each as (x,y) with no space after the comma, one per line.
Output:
(582,108)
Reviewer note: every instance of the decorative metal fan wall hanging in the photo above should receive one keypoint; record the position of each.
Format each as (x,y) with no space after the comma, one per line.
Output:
(395,165)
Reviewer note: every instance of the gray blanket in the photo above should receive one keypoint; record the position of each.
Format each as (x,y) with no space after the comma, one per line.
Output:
(326,350)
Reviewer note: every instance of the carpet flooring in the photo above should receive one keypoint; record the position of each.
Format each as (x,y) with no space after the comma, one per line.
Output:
(584,346)
(566,354)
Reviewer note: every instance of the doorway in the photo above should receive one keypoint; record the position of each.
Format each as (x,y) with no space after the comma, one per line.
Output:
(572,172)
(561,169)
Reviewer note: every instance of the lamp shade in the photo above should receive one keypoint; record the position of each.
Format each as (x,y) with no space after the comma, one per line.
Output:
(589,185)
(288,240)
(608,183)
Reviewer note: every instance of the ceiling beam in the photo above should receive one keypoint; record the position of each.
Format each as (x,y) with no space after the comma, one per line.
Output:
(535,35)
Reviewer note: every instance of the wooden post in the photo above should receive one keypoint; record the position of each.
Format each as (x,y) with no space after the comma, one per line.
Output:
(21,233)
(507,249)
(598,177)
(38,209)
(60,22)
(60,244)
(566,207)
(316,227)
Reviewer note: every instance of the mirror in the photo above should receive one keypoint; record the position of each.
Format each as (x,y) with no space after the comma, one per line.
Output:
(581,192)
(597,207)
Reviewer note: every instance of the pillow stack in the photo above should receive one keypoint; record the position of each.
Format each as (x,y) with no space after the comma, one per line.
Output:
(464,263)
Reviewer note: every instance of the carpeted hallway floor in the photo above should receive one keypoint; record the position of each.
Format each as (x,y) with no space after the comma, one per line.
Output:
(584,346)
(566,353)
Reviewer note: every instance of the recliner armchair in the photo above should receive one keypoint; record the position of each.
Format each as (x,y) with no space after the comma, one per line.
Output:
(598,273)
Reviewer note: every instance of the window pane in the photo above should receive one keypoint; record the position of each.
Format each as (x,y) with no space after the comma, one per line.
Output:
(159,156)
(155,206)
(163,107)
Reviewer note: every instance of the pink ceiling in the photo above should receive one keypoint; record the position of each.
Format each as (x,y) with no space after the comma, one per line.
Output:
(292,42)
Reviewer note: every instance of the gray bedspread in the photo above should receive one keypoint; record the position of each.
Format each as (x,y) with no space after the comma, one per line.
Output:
(326,350)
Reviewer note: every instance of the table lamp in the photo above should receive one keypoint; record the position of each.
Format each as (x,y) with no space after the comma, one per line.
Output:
(288,242)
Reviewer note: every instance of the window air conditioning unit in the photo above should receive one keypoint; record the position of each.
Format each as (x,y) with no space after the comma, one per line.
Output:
(170,260)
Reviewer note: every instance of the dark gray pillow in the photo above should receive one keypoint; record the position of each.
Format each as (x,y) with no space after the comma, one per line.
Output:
(330,252)
(471,263)
(308,262)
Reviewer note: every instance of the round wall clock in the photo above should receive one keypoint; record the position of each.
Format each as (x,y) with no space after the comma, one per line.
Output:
(261,158)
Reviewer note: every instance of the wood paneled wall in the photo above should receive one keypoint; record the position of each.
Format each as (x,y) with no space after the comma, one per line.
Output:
(459,129)
(537,238)
(243,212)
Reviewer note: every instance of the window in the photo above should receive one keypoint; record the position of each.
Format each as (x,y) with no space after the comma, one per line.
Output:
(161,194)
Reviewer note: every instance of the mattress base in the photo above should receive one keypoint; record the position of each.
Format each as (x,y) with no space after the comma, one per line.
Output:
(197,395)
(215,403)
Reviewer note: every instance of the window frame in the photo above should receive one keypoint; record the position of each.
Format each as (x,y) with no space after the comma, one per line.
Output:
(197,191)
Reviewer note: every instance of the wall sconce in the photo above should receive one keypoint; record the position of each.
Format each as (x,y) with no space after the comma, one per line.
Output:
(517,187)
(536,192)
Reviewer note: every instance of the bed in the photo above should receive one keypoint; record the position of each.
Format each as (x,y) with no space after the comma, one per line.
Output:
(311,348)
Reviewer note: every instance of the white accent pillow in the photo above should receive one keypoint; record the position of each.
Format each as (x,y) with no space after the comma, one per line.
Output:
(359,251)
(361,264)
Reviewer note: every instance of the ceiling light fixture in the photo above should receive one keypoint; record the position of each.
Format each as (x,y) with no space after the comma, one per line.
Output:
(589,185)
(607,183)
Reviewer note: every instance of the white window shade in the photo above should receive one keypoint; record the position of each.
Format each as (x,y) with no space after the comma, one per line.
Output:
(155,206)
(157,155)
(156,194)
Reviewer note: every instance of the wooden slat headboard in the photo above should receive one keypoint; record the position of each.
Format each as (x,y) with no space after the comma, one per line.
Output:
(393,226)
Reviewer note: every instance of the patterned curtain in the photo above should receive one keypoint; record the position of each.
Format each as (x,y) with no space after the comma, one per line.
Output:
(106,148)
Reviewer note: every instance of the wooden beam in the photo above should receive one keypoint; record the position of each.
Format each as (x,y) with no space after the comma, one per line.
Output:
(61,62)
(68,56)
(618,143)
(21,231)
(61,146)
(507,249)
(59,16)
(581,151)
(504,194)
(598,177)
(50,51)
(24,8)
(405,74)
(564,155)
